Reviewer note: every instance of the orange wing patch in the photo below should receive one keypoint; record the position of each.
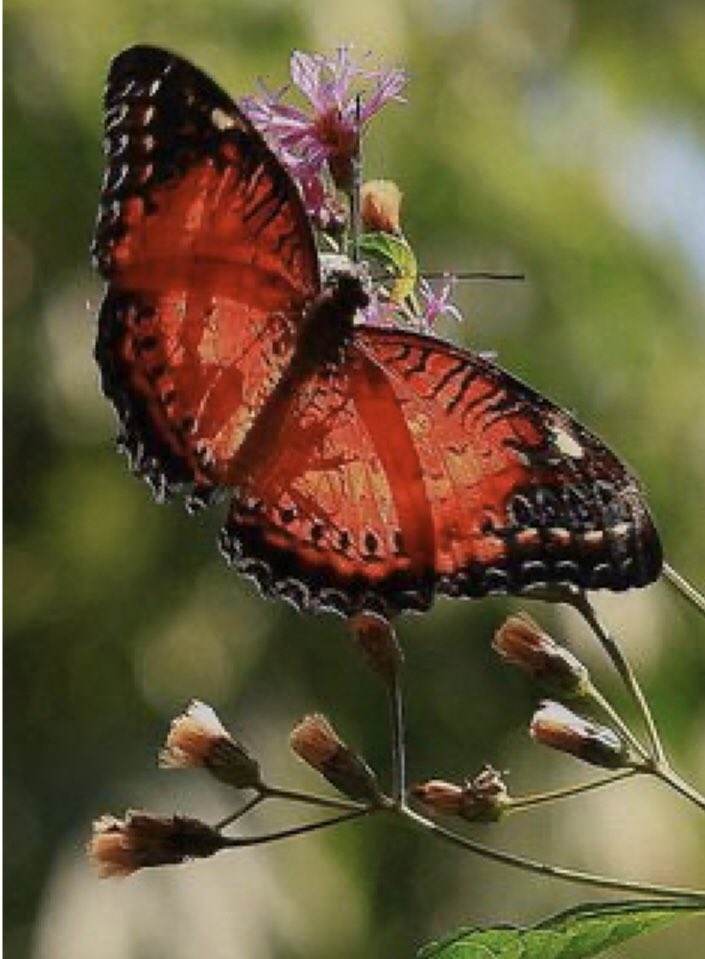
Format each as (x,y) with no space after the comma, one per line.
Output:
(210,262)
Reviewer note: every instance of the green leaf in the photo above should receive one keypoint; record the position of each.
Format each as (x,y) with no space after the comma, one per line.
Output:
(390,249)
(395,255)
(587,930)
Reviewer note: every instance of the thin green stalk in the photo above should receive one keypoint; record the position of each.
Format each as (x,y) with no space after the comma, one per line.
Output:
(296,795)
(396,710)
(621,664)
(591,692)
(525,802)
(237,841)
(545,869)
(355,226)
(233,817)
(686,589)
(657,763)
(670,776)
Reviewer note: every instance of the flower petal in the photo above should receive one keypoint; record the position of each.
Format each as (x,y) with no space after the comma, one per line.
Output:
(306,72)
(389,87)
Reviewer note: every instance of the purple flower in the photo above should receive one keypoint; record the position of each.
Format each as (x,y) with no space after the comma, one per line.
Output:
(327,135)
(437,303)
(321,205)
(381,311)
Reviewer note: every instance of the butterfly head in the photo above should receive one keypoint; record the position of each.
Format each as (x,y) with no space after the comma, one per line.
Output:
(348,282)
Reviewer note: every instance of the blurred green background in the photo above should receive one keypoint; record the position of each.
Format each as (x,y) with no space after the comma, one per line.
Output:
(563,139)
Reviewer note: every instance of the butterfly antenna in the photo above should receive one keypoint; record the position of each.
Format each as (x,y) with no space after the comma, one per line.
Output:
(450,274)
(472,275)
(355,226)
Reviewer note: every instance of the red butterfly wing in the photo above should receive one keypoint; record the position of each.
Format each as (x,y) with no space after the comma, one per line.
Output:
(371,468)
(319,521)
(210,261)
(413,467)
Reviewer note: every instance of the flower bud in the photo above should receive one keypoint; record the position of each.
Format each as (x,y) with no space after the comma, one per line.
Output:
(198,738)
(482,799)
(380,205)
(485,797)
(315,741)
(523,643)
(440,796)
(119,847)
(377,640)
(558,727)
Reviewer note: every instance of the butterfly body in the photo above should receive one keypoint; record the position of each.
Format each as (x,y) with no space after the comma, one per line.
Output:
(368,468)
(321,344)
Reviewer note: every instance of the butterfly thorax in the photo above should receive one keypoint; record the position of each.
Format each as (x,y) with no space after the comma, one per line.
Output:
(326,328)
(328,322)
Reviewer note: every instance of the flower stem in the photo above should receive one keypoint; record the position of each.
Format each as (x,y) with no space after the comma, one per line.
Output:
(670,776)
(524,802)
(233,817)
(233,841)
(686,589)
(296,795)
(396,712)
(545,869)
(621,664)
(356,188)
(656,763)
(591,692)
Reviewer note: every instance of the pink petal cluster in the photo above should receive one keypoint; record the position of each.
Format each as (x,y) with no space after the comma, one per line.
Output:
(326,135)
(381,311)
(437,303)
(319,145)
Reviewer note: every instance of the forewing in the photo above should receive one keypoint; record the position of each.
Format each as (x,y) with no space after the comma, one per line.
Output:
(414,467)
(210,263)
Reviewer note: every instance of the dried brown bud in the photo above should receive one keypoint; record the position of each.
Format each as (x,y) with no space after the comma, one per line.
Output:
(377,640)
(198,738)
(440,796)
(485,797)
(380,205)
(316,742)
(120,847)
(482,799)
(558,727)
(523,643)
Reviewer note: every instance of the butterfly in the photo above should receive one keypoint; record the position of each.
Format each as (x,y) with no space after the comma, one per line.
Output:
(368,468)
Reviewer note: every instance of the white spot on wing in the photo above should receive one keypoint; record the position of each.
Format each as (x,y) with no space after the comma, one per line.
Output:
(567,443)
(221,119)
